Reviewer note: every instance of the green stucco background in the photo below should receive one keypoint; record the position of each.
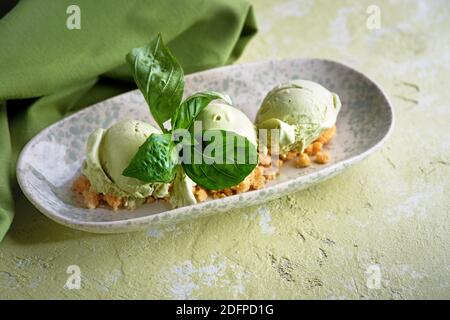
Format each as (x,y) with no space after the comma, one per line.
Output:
(390,210)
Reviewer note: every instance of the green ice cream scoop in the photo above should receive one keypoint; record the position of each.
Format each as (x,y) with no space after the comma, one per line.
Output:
(301,110)
(216,116)
(220,116)
(110,151)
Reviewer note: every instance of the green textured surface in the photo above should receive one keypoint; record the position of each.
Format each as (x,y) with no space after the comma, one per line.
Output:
(390,210)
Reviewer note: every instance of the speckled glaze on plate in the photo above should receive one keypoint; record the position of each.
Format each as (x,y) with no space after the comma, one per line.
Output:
(51,161)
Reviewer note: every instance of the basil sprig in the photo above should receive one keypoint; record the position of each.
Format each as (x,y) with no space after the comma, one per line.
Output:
(155,161)
(161,80)
(227,163)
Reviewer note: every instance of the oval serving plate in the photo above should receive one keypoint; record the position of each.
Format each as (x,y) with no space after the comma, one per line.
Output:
(51,161)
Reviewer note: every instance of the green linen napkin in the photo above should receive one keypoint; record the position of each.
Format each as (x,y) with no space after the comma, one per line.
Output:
(48,71)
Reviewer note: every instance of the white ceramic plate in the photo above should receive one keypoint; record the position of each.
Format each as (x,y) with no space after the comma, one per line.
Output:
(51,161)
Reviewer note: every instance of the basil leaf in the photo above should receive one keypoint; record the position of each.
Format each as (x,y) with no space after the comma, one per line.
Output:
(155,161)
(238,156)
(160,78)
(187,112)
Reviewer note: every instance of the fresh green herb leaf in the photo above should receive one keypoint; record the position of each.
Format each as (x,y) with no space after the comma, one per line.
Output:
(187,112)
(224,162)
(160,78)
(155,161)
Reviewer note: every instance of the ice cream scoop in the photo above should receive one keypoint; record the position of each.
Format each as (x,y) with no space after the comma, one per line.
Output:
(110,151)
(216,116)
(220,116)
(301,110)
